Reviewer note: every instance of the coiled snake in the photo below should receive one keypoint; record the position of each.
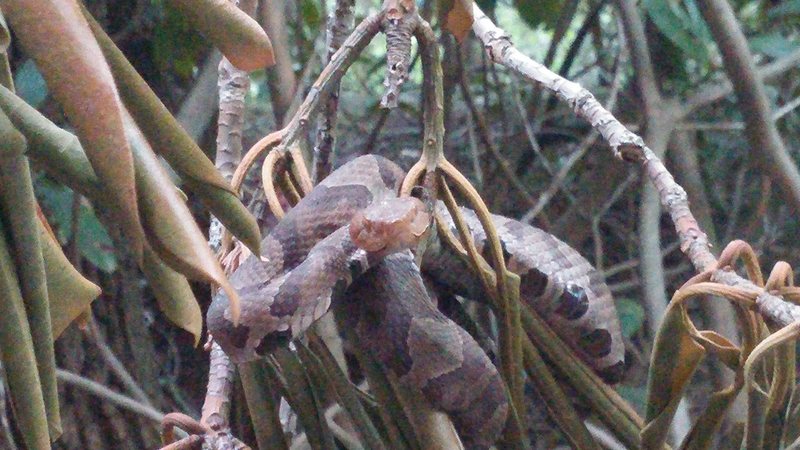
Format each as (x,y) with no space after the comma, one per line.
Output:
(316,255)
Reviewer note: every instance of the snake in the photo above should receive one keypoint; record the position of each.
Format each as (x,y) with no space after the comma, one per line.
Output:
(353,240)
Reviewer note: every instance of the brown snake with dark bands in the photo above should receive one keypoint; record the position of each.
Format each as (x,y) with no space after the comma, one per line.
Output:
(310,260)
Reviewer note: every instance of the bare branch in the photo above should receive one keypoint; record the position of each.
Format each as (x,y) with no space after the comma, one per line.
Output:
(107,394)
(693,241)
(752,99)
(340,23)
(708,94)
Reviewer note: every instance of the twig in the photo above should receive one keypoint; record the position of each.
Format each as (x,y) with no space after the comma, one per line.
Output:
(486,139)
(116,365)
(107,394)
(598,237)
(670,273)
(631,147)
(560,178)
(340,22)
(529,130)
(369,145)
(711,93)
(474,153)
(233,87)
(634,263)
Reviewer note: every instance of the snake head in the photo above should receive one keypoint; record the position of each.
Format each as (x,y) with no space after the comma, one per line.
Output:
(390,225)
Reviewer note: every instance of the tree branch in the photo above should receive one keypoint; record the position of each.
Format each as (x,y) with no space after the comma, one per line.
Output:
(752,99)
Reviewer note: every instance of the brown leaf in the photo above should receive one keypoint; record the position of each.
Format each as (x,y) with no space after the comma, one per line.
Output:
(673,362)
(240,38)
(57,37)
(459,19)
(171,141)
(75,293)
(169,224)
(173,294)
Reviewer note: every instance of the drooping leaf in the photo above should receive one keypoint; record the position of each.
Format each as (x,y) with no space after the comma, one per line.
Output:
(58,151)
(75,293)
(344,389)
(168,223)
(5,41)
(19,211)
(673,362)
(707,424)
(719,345)
(303,396)
(173,294)
(18,356)
(91,105)
(240,38)
(171,141)
(262,405)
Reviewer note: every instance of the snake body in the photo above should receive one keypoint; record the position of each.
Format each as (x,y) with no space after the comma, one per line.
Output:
(310,260)
(555,280)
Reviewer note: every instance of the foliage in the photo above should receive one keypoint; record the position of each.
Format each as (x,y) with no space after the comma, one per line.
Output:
(110,204)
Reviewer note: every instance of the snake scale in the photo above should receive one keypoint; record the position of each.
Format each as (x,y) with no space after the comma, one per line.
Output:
(315,256)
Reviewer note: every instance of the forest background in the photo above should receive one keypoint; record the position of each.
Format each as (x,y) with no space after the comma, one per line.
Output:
(661,67)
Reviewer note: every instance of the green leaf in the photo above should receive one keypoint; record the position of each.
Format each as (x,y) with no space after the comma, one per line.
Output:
(322,360)
(305,396)
(785,8)
(18,356)
(635,395)
(57,150)
(262,405)
(176,43)
(30,84)
(94,243)
(540,12)
(75,293)
(631,316)
(773,44)
(20,213)
(685,28)
(310,13)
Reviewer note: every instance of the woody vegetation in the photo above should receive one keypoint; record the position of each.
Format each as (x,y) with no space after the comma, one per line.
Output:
(655,137)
